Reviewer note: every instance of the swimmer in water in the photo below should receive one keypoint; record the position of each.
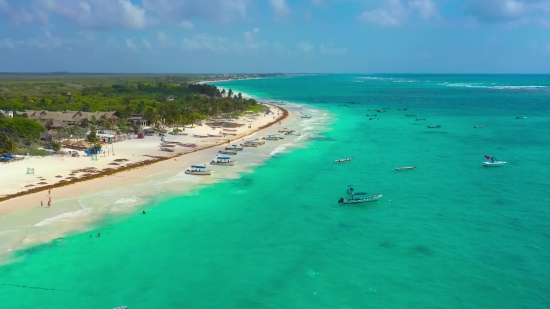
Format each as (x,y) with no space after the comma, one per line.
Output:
(143,211)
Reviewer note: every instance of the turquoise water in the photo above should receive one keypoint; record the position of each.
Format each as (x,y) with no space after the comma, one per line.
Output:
(450,234)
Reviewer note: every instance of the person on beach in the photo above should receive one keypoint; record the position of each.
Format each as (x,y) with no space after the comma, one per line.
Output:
(41,204)
(50,192)
(49,203)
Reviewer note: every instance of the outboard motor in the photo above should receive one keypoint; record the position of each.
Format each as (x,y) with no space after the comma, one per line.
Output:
(341,200)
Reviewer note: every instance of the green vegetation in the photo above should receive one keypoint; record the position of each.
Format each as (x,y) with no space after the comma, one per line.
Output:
(16,131)
(174,101)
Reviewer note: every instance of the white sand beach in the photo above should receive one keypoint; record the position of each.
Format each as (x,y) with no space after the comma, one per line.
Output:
(80,205)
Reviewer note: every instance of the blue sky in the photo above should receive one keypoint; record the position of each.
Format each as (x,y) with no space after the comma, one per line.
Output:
(223,36)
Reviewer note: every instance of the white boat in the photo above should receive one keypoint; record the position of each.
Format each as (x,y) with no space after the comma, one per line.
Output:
(271,137)
(167,149)
(223,161)
(306,116)
(233,148)
(405,168)
(343,160)
(215,135)
(521,117)
(227,152)
(285,130)
(198,170)
(358,197)
(494,162)
(479,126)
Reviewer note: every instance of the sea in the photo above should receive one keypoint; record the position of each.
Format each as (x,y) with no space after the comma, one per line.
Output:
(450,233)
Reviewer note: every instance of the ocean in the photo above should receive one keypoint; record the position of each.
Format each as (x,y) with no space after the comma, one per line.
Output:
(448,234)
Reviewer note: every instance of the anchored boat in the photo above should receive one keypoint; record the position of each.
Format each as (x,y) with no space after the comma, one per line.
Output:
(227,152)
(223,161)
(234,148)
(271,137)
(306,116)
(494,162)
(521,117)
(480,126)
(405,168)
(434,127)
(358,197)
(343,160)
(198,170)
(420,119)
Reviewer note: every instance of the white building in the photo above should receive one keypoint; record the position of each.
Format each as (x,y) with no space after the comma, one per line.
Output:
(8,114)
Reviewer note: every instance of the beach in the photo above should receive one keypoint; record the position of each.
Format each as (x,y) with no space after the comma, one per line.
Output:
(24,222)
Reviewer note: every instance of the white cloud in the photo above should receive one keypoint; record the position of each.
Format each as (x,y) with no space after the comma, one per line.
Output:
(131,45)
(6,44)
(391,13)
(204,42)
(333,51)
(146,43)
(164,40)
(426,8)
(185,24)
(249,36)
(280,7)
(509,11)
(305,47)
(178,11)
(113,14)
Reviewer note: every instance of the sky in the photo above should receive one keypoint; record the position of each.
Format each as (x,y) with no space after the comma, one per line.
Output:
(275,36)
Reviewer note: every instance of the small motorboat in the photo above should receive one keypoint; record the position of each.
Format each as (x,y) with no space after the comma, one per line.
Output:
(167,145)
(285,130)
(374,118)
(521,117)
(122,307)
(375,115)
(230,130)
(271,138)
(306,116)
(434,127)
(406,168)
(420,119)
(381,110)
(227,152)
(167,149)
(410,115)
(494,162)
(358,197)
(234,148)
(198,170)
(343,160)
(223,161)
(402,109)
(480,126)
(200,136)
(215,135)
(386,107)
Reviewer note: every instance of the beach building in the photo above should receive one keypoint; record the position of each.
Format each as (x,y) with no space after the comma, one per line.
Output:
(67,117)
(8,114)
(138,120)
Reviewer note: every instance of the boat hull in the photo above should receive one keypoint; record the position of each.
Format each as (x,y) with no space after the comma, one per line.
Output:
(368,199)
(494,164)
(405,168)
(227,152)
(343,160)
(222,163)
(198,173)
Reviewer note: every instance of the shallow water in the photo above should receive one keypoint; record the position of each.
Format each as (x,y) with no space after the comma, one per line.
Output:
(450,234)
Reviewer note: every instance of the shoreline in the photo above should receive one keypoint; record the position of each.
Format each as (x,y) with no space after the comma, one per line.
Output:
(133,166)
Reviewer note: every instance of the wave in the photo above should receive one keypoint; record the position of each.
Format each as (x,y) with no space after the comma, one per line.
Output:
(492,86)
(390,79)
(63,216)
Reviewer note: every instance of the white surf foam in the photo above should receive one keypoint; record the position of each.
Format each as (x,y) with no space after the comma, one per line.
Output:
(64,216)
